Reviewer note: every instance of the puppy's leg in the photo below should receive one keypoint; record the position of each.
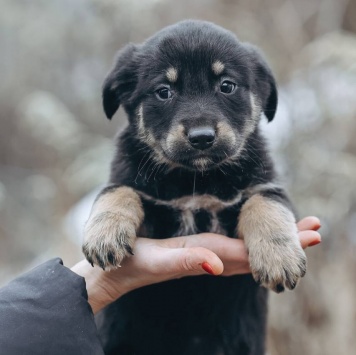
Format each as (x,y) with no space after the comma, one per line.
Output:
(110,232)
(269,229)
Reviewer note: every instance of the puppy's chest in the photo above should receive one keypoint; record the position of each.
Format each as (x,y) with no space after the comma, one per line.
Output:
(189,215)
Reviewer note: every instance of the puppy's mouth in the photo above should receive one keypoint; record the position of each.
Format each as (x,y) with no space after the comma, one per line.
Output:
(203,163)
(197,160)
(201,148)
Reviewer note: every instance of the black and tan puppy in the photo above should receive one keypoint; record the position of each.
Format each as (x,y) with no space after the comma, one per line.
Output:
(192,160)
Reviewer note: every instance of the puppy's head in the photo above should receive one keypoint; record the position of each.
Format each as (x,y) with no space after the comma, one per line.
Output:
(193,93)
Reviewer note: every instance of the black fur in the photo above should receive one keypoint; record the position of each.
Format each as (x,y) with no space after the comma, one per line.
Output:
(202,315)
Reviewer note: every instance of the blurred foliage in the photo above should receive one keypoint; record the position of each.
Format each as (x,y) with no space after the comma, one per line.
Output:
(56,146)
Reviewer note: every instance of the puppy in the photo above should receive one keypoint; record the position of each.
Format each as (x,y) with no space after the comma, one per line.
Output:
(192,160)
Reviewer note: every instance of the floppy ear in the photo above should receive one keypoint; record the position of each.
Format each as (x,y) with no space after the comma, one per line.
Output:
(265,85)
(267,91)
(121,80)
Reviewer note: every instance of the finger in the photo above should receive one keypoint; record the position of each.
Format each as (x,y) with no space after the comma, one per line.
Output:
(232,251)
(309,238)
(180,262)
(199,260)
(221,245)
(309,223)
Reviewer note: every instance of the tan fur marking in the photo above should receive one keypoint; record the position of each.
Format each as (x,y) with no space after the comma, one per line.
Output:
(141,124)
(111,227)
(226,132)
(196,202)
(252,122)
(276,257)
(187,225)
(172,75)
(260,188)
(256,107)
(250,125)
(160,158)
(201,163)
(175,134)
(124,201)
(218,67)
(145,135)
(215,225)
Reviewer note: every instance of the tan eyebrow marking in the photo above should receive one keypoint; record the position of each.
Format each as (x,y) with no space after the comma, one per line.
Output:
(172,74)
(218,67)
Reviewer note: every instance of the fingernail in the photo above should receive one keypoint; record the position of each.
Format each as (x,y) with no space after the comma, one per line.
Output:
(315,242)
(316,227)
(207,267)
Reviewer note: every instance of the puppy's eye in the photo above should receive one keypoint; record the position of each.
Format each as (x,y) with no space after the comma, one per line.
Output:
(227,87)
(164,94)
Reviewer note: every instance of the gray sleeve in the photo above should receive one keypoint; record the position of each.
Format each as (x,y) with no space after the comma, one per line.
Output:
(46,311)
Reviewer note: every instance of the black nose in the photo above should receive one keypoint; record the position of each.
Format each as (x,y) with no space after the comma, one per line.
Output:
(201,138)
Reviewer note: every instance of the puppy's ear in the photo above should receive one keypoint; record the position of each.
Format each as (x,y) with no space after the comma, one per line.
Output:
(268,92)
(265,85)
(121,80)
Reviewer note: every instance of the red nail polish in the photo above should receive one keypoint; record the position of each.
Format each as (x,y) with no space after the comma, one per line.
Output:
(314,243)
(207,267)
(317,227)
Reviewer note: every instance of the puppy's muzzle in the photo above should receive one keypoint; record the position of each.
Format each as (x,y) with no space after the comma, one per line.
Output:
(201,137)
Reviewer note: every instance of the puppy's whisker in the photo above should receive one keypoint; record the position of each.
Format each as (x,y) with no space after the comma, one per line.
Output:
(143,166)
(147,178)
(139,165)
(159,167)
(152,163)
(143,149)
(140,169)
(222,171)
(255,139)
(195,176)
(259,162)
(256,162)
(155,168)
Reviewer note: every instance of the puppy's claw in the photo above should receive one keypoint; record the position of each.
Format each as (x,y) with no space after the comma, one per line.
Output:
(111,258)
(303,269)
(279,288)
(100,262)
(108,249)
(291,284)
(90,260)
(128,249)
(280,268)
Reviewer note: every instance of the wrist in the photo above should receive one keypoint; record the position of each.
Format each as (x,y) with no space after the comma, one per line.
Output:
(100,294)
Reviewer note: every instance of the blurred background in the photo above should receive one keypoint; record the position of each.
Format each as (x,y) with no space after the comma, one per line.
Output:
(56,145)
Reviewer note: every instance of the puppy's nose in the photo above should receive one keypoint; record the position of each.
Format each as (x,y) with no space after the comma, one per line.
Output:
(201,137)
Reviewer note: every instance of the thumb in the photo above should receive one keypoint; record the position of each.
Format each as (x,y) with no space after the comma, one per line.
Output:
(196,261)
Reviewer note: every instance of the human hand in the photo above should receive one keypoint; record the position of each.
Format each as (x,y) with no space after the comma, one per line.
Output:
(161,260)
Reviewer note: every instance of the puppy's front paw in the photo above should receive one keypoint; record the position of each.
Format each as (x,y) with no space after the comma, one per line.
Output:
(278,262)
(108,238)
